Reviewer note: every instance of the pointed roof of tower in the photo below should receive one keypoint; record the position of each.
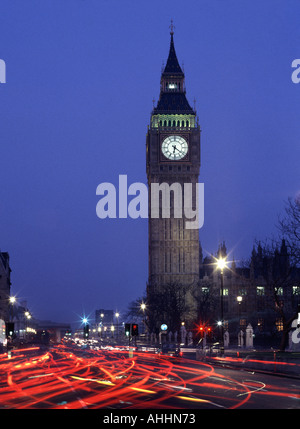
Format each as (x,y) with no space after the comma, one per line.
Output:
(173,102)
(172,67)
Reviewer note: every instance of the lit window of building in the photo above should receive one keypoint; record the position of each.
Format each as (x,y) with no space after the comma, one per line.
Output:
(260,290)
(260,325)
(279,324)
(296,290)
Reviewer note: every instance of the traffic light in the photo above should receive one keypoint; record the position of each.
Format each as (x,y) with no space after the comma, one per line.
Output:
(86,330)
(127,329)
(201,330)
(209,332)
(134,330)
(9,329)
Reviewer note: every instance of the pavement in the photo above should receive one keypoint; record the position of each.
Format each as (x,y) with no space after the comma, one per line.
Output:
(268,361)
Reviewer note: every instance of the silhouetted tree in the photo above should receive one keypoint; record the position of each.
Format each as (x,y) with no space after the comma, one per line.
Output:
(167,304)
(207,297)
(277,262)
(289,227)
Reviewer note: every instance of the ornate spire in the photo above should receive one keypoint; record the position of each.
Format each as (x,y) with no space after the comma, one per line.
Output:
(172,28)
(172,99)
(172,66)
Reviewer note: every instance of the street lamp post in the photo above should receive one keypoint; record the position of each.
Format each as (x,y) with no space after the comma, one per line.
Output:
(239,300)
(101,325)
(12,300)
(9,324)
(117,317)
(221,264)
(143,307)
(28,317)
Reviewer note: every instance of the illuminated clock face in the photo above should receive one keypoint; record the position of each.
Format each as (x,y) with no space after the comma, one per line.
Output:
(174,147)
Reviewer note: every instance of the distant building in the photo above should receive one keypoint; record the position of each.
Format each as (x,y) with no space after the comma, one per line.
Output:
(4,285)
(55,330)
(104,317)
(22,323)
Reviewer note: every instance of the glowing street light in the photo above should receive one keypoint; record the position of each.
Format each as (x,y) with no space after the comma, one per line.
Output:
(12,299)
(221,264)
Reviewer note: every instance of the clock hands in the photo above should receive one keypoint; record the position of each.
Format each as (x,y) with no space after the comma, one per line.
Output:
(175,147)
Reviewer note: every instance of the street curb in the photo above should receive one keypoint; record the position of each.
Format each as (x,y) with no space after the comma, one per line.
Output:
(284,368)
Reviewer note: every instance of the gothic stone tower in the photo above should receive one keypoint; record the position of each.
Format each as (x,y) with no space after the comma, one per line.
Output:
(173,156)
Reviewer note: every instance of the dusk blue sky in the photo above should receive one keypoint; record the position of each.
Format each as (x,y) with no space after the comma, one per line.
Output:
(81,76)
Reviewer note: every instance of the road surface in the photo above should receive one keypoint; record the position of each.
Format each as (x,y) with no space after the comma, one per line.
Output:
(67,377)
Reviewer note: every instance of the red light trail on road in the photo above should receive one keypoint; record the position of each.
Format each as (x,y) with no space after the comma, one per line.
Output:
(67,378)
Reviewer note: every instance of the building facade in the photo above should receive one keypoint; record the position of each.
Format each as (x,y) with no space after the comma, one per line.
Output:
(5,284)
(264,293)
(173,161)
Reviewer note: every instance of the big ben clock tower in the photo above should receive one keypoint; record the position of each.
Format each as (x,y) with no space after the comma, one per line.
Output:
(173,157)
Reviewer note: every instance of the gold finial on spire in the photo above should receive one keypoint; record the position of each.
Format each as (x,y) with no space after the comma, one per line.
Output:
(172,28)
